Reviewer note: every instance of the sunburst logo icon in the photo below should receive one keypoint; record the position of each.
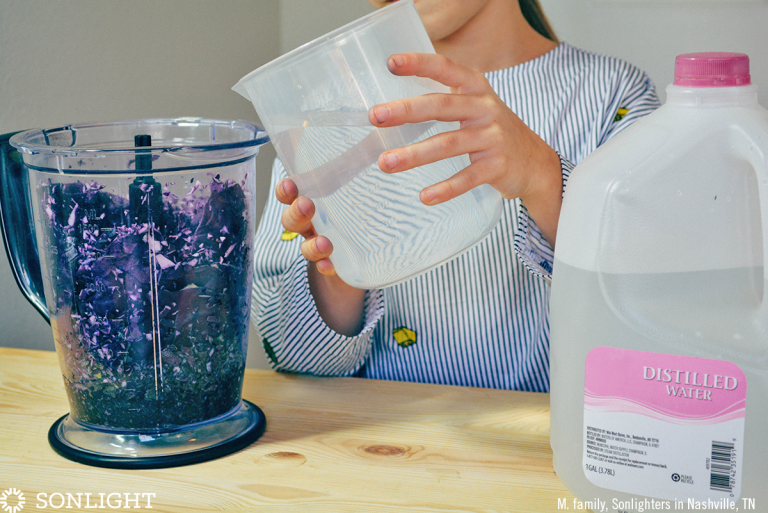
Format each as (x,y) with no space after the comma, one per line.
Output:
(12,500)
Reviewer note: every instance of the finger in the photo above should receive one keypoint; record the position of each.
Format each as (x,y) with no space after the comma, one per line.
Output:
(437,67)
(438,147)
(286,191)
(325,266)
(463,181)
(298,217)
(429,107)
(316,248)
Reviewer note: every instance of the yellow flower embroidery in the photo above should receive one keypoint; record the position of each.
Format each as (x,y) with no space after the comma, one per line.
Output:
(620,114)
(289,235)
(404,336)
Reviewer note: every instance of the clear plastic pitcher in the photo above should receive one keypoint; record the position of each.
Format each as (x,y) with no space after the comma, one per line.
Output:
(314,104)
(659,342)
(144,231)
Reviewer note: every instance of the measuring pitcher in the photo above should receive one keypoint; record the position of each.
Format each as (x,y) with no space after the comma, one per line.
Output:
(314,104)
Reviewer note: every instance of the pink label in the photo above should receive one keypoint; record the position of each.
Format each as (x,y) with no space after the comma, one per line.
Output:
(679,389)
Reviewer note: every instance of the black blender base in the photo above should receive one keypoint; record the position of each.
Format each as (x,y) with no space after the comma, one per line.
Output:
(254,427)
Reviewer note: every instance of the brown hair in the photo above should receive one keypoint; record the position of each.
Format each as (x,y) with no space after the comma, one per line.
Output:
(536,18)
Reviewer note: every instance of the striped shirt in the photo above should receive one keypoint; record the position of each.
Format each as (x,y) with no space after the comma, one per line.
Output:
(481,319)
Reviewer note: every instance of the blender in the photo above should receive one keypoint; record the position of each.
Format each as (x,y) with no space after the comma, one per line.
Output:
(134,240)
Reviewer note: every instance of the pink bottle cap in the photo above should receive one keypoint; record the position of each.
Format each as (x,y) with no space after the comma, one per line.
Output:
(712,69)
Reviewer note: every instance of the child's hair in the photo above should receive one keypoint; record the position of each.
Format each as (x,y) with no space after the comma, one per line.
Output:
(535,16)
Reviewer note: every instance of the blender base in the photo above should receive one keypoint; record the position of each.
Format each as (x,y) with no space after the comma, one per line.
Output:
(195,443)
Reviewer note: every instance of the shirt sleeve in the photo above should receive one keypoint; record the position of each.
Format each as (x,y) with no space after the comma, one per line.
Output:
(530,245)
(630,95)
(294,336)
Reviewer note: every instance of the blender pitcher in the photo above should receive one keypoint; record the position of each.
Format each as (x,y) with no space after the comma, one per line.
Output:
(144,232)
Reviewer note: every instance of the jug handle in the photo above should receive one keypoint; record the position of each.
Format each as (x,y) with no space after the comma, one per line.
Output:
(755,152)
(762,190)
(18,226)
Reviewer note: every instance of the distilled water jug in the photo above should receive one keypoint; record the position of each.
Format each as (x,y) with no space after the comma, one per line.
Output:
(659,346)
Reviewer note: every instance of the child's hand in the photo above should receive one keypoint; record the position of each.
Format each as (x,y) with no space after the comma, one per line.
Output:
(340,305)
(503,151)
(298,218)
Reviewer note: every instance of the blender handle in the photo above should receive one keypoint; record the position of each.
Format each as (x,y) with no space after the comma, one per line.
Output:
(18,227)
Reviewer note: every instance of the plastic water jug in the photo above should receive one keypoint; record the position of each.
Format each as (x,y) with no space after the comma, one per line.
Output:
(659,341)
(314,104)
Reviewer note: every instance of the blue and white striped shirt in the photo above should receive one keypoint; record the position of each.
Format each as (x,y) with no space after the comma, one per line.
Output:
(481,319)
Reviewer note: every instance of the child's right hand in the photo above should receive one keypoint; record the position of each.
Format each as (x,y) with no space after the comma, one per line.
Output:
(298,218)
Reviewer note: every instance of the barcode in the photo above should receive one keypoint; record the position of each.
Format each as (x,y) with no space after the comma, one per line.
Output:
(722,458)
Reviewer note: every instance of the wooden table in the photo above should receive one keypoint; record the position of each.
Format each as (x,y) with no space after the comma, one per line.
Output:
(331,445)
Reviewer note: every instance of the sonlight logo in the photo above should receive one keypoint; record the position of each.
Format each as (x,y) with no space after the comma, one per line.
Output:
(94,501)
(12,500)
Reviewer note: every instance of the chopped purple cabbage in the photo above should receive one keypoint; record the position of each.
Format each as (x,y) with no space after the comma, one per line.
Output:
(151,300)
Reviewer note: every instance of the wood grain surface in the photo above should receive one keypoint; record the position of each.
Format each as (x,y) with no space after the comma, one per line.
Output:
(331,445)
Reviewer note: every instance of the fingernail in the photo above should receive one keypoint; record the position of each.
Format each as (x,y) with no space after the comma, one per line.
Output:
(391,160)
(325,267)
(323,246)
(397,60)
(284,187)
(304,208)
(381,114)
(427,196)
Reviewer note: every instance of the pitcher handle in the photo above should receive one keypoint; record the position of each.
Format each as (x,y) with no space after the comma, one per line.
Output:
(18,226)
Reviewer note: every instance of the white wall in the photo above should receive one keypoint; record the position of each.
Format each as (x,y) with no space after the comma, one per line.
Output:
(304,20)
(651,33)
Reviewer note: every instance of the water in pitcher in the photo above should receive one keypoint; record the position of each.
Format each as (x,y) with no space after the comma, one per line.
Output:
(376,220)
(641,312)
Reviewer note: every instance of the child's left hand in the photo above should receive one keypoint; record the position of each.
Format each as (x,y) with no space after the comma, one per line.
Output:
(503,151)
